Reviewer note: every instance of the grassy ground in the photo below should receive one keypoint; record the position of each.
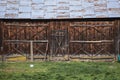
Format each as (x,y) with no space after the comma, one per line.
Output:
(60,71)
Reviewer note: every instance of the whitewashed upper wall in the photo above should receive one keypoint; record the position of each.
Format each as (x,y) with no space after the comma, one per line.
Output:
(54,9)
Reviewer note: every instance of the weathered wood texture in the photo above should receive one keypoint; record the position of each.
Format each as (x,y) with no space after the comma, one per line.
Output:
(0,34)
(61,39)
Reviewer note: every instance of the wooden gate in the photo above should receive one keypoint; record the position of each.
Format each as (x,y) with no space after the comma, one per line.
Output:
(91,40)
(26,39)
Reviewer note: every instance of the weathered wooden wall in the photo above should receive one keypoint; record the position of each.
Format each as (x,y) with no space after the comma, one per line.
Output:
(84,39)
(0,34)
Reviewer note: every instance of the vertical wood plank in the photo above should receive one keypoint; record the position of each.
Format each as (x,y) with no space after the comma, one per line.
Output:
(31,51)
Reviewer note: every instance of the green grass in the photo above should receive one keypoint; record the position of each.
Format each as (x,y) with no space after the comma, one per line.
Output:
(60,71)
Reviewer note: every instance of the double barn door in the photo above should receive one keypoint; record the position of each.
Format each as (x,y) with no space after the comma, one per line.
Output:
(60,39)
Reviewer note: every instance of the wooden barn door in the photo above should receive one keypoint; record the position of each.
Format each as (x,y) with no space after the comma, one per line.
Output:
(59,40)
(26,40)
(92,40)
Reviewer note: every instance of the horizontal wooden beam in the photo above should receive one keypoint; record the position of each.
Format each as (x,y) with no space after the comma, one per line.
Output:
(27,25)
(34,41)
(100,41)
(72,41)
(78,25)
(96,57)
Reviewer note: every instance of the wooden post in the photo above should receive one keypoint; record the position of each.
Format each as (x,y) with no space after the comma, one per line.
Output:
(117,39)
(1,41)
(46,51)
(2,54)
(118,33)
(31,51)
(118,47)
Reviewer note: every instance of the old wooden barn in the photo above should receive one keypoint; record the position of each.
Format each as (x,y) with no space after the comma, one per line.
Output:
(59,30)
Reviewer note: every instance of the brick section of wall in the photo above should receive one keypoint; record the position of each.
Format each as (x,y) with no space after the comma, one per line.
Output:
(52,9)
